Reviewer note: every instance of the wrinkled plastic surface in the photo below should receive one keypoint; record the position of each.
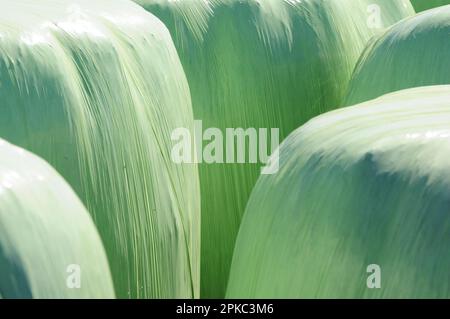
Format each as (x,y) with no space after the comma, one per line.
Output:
(262,64)
(96,87)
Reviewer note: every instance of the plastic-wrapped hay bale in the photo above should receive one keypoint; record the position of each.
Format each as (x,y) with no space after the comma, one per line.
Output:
(96,87)
(422,5)
(49,246)
(262,64)
(412,53)
(361,200)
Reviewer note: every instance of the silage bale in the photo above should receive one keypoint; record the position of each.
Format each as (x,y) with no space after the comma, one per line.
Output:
(262,64)
(96,87)
(412,53)
(359,208)
(49,246)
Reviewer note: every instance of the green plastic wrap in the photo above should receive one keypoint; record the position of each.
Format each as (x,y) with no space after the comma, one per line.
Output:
(362,191)
(46,235)
(422,5)
(262,64)
(413,53)
(96,87)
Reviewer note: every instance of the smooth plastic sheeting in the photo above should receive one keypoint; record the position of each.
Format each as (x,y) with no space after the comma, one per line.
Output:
(413,53)
(359,208)
(49,246)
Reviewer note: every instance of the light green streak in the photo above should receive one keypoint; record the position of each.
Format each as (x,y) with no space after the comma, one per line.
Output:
(44,228)
(361,185)
(261,64)
(413,53)
(96,87)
